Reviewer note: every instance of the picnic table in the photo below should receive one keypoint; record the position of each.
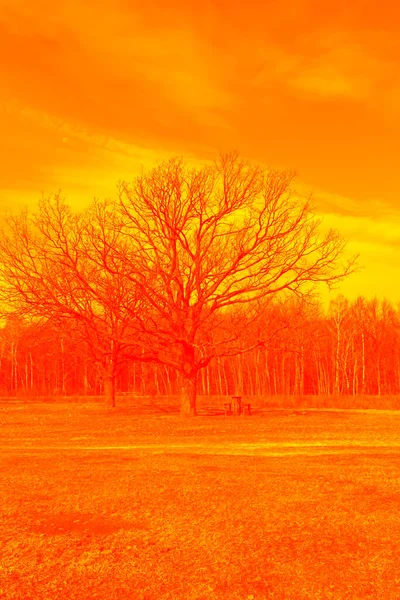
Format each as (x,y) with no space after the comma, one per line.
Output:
(238,407)
(237,404)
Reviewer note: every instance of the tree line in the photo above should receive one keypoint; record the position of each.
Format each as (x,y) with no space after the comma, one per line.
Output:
(182,282)
(352,348)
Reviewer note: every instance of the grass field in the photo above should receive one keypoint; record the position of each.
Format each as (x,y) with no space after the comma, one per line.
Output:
(137,503)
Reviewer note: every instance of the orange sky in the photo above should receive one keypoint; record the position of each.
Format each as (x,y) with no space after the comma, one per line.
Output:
(92,89)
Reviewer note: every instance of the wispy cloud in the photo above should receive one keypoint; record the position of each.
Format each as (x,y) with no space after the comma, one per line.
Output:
(348,65)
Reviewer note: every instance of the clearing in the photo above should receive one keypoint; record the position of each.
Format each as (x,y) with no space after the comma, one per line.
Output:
(137,503)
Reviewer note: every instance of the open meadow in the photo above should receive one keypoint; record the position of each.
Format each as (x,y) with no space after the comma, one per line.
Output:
(137,503)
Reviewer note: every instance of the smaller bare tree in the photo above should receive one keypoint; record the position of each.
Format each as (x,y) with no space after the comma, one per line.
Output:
(60,266)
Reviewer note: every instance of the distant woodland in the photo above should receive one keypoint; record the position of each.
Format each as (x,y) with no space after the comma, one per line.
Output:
(353,348)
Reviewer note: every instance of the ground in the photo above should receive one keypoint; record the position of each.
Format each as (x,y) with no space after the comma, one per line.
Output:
(138,503)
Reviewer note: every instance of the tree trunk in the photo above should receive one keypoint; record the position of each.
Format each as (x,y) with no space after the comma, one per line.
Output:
(268,389)
(346,375)
(363,363)
(169,387)
(31,370)
(302,371)
(378,376)
(337,384)
(225,379)
(109,390)
(63,378)
(355,377)
(207,378)
(26,374)
(109,386)
(220,393)
(188,396)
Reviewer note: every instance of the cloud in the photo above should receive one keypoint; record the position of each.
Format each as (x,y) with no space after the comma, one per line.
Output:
(378,245)
(352,65)
(144,84)
(91,90)
(328,203)
(379,239)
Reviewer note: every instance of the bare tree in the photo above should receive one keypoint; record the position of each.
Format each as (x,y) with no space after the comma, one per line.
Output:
(203,241)
(60,266)
(340,315)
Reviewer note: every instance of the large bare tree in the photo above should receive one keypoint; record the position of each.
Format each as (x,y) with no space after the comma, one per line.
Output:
(206,245)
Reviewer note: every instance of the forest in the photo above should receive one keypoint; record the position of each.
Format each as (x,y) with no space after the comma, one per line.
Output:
(351,348)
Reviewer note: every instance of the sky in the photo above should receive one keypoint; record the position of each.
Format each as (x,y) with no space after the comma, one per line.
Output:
(92,90)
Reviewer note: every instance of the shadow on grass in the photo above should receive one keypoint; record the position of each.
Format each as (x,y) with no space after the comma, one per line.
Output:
(144,409)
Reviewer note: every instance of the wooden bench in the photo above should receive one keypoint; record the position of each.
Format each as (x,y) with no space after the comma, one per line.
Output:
(247,409)
(228,408)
